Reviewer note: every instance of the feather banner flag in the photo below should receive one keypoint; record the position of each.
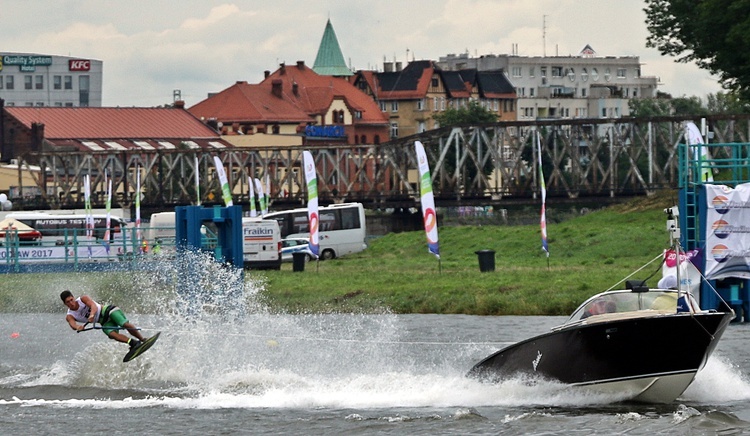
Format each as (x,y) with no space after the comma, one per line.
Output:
(429,216)
(197,181)
(109,211)
(699,149)
(543,188)
(251,194)
(312,201)
(87,206)
(138,235)
(267,194)
(89,217)
(261,197)
(225,192)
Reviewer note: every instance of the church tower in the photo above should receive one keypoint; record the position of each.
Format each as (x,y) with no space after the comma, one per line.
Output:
(330,61)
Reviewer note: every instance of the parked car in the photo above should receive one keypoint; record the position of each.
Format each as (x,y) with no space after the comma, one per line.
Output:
(295,245)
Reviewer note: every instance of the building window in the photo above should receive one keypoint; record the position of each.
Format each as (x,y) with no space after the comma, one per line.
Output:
(557,72)
(584,75)
(363,139)
(420,104)
(382,106)
(68,104)
(604,112)
(583,92)
(531,92)
(27,82)
(358,115)
(9,82)
(621,73)
(531,72)
(394,106)
(57,82)
(435,82)
(39,82)
(40,103)
(275,129)
(58,104)
(516,71)
(2,81)
(68,82)
(442,103)
(83,91)
(394,130)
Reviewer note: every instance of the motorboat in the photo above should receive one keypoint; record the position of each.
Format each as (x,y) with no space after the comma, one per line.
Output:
(644,345)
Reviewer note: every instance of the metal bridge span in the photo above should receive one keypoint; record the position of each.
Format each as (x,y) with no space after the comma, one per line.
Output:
(492,164)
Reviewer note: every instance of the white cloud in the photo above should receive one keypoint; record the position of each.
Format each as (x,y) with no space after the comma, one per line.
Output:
(200,46)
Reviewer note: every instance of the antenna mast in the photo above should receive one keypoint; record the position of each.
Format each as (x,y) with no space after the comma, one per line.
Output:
(544,35)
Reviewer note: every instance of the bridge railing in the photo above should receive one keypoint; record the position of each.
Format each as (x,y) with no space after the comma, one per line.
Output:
(480,164)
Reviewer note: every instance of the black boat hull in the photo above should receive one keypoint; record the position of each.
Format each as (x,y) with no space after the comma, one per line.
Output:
(655,357)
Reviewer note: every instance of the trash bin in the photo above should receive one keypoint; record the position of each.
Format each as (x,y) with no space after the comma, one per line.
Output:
(298,261)
(486,260)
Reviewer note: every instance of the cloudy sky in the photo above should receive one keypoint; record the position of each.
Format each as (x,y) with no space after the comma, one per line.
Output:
(151,48)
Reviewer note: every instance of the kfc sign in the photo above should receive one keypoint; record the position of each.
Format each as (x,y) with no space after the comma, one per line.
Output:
(79,65)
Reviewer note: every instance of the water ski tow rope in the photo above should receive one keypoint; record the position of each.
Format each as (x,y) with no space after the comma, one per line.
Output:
(300,338)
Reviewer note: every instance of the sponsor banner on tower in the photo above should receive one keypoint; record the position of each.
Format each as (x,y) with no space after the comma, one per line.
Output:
(727,231)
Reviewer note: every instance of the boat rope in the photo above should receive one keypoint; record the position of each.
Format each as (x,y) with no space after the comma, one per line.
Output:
(660,255)
(300,338)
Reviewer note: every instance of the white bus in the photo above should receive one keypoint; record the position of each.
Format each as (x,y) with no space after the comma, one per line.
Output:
(342,228)
(63,229)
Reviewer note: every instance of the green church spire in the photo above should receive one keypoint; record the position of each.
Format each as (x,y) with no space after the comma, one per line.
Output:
(330,60)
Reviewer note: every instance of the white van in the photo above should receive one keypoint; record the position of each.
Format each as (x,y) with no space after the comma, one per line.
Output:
(261,243)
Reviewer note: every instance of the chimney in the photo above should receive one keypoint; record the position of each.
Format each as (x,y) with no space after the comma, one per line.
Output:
(387,67)
(398,66)
(295,88)
(266,74)
(276,87)
(301,65)
(179,104)
(282,69)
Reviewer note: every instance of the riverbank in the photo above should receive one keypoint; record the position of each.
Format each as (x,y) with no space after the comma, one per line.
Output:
(588,254)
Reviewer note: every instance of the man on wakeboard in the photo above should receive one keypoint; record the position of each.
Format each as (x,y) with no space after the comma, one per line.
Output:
(85,310)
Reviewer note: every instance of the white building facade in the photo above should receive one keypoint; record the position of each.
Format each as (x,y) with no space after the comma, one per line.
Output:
(29,79)
(583,86)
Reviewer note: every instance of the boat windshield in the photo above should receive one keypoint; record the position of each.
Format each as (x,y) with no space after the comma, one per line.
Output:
(627,301)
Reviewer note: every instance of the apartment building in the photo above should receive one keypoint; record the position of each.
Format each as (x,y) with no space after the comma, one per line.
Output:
(582,86)
(31,79)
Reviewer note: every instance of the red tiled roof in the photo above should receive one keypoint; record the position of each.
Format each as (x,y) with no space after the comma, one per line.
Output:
(112,123)
(242,102)
(315,93)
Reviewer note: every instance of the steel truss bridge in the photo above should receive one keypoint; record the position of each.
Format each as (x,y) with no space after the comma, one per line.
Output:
(491,164)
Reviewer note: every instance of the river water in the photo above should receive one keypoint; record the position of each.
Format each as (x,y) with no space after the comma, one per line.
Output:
(328,374)
(254,372)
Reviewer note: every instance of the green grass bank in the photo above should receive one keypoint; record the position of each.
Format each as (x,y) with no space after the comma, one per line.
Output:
(588,254)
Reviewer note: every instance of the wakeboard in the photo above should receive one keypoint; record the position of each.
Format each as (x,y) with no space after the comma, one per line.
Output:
(137,351)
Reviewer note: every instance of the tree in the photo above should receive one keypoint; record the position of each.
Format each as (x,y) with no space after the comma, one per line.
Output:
(715,34)
(472,114)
